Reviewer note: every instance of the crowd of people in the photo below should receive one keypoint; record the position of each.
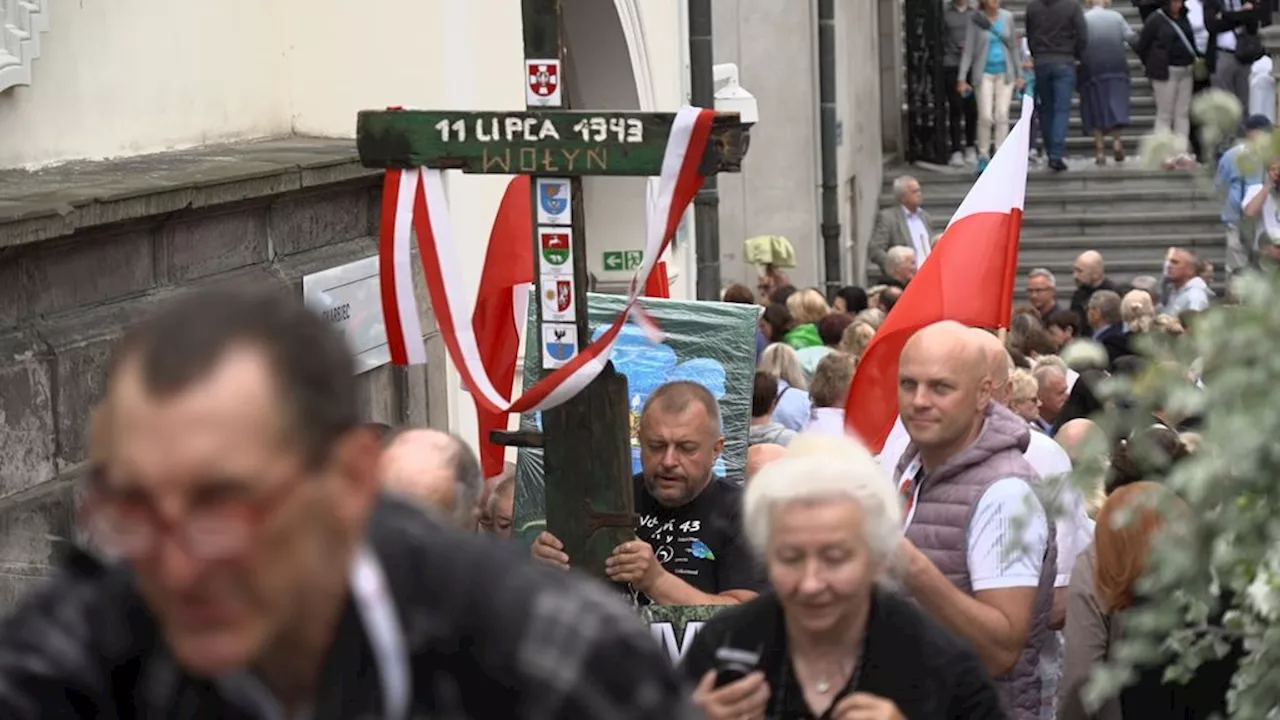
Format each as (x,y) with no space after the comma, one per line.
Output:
(1185,47)
(1011,423)
(255,550)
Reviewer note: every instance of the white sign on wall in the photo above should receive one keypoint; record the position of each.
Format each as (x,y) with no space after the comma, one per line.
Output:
(350,298)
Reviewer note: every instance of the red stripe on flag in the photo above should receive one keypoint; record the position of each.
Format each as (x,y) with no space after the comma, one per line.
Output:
(658,285)
(508,263)
(386,267)
(967,278)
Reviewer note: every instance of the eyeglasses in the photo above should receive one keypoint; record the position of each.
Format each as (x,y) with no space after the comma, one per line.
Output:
(132,528)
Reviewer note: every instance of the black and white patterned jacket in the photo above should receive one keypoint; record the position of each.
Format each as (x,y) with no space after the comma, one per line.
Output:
(487,634)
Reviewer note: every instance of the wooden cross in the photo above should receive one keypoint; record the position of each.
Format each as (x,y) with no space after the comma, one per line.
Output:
(586,441)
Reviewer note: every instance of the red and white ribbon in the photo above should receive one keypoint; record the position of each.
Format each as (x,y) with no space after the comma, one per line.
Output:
(416,199)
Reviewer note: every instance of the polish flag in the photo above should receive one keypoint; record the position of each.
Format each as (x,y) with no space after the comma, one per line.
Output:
(658,285)
(501,307)
(968,278)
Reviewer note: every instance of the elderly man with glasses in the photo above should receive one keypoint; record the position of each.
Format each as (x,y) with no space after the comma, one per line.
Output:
(256,571)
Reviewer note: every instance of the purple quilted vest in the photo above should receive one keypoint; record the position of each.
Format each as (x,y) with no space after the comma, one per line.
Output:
(940,526)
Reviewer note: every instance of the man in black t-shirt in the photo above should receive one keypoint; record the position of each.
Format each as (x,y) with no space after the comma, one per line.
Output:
(689,547)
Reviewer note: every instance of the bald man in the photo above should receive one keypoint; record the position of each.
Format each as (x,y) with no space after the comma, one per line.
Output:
(1074,434)
(1078,437)
(965,484)
(437,469)
(1090,274)
(760,455)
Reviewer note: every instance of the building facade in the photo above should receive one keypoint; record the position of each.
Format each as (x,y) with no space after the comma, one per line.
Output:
(775,46)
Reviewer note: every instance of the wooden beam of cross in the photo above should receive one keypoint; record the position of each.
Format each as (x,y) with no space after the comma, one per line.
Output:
(586,442)
(540,142)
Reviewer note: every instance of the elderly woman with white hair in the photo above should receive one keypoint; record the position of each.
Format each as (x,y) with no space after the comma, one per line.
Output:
(828,641)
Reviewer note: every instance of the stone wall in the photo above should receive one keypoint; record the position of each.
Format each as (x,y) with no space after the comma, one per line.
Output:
(81,262)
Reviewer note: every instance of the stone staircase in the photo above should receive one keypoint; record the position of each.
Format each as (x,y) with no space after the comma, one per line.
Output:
(1129,214)
(1126,211)
(1142,103)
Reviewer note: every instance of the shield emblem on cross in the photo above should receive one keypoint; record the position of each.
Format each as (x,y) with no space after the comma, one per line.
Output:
(564,295)
(544,78)
(555,247)
(543,82)
(553,198)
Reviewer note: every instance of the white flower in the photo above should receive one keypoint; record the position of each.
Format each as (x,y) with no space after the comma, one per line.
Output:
(1263,595)
(1158,147)
(1084,353)
(1218,112)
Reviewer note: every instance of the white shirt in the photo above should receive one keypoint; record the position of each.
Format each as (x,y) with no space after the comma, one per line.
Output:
(1073,530)
(1270,215)
(826,421)
(1199,32)
(1227,40)
(1193,295)
(996,558)
(919,235)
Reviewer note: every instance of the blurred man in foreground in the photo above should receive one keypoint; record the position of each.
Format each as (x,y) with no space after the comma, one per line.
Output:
(262,574)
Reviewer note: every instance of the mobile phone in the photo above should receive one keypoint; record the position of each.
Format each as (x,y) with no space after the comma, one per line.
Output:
(733,664)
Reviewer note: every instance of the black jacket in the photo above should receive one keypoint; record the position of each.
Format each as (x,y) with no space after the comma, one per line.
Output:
(1056,31)
(1116,341)
(1161,45)
(909,659)
(1217,20)
(1150,697)
(487,634)
(1080,299)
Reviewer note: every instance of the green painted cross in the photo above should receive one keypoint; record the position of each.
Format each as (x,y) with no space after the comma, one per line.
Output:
(536,142)
(586,441)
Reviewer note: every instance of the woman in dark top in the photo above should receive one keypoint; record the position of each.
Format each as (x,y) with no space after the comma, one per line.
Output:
(1168,51)
(827,642)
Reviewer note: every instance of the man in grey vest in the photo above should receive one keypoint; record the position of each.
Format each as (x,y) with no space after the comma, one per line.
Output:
(966,489)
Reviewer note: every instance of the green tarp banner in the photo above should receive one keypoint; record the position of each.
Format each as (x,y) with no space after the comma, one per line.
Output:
(709,343)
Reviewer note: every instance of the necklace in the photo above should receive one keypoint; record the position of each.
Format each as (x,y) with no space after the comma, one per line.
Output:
(822,686)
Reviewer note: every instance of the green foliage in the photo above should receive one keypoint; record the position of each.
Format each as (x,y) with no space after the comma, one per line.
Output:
(1215,578)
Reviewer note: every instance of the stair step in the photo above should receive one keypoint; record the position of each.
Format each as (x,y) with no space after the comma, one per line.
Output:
(1141,101)
(1115,180)
(1106,222)
(1019,10)
(1039,200)
(1139,123)
(1062,245)
(1129,138)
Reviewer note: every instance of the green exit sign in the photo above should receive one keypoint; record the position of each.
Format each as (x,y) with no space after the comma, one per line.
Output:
(622,260)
